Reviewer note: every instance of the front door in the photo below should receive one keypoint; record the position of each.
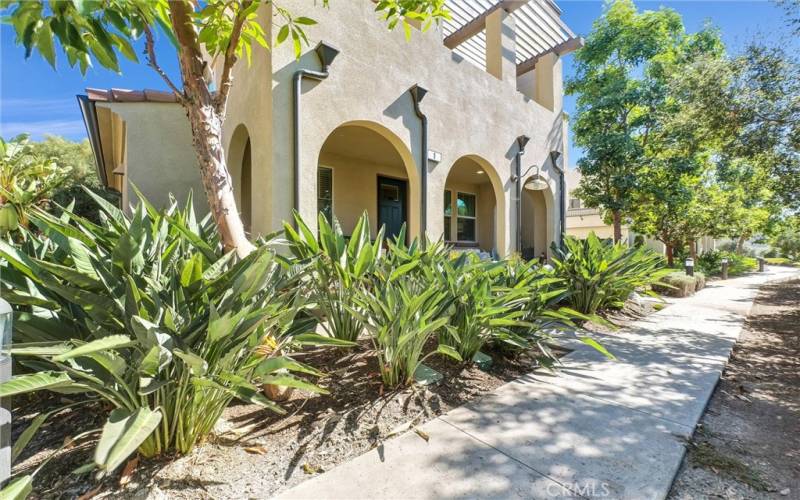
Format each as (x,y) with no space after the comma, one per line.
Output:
(391,205)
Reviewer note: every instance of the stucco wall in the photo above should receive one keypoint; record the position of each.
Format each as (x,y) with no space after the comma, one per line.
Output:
(470,112)
(355,189)
(159,153)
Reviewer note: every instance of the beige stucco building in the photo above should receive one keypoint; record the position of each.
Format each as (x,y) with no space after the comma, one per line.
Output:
(342,129)
(582,220)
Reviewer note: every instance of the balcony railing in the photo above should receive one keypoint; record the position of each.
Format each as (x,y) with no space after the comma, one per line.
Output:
(582,212)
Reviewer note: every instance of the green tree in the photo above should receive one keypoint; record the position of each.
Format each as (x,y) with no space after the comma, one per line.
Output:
(617,102)
(94,30)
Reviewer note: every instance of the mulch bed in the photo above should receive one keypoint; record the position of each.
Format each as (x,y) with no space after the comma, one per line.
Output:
(747,444)
(254,452)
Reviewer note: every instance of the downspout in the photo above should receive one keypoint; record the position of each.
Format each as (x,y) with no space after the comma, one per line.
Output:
(554,156)
(326,55)
(521,142)
(89,113)
(417,94)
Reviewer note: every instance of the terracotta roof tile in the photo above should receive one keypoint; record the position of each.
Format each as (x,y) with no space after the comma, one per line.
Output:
(126,95)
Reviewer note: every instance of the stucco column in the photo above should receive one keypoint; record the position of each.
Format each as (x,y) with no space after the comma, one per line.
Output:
(548,81)
(501,46)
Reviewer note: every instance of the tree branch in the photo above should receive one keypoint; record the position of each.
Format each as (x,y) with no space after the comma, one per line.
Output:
(226,79)
(153,63)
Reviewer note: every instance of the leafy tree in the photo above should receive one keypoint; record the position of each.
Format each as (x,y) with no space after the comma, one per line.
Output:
(26,180)
(96,30)
(77,156)
(617,101)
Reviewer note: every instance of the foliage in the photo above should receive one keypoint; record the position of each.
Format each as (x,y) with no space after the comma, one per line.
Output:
(679,284)
(77,157)
(403,308)
(619,98)
(339,268)
(710,262)
(787,241)
(202,33)
(147,315)
(601,274)
(484,309)
(27,180)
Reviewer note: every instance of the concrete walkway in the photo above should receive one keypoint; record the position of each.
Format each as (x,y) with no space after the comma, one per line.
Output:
(598,428)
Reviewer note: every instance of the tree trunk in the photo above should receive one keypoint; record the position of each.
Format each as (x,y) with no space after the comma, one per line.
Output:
(740,245)
(206,125)
(670,255)
(693,249)
(617,225)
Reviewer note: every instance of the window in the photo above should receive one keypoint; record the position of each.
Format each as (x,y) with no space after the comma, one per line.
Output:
(574,203)
(325,192)
(465,217)
(448,214)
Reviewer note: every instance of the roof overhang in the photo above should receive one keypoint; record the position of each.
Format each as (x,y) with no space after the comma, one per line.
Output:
(539,30)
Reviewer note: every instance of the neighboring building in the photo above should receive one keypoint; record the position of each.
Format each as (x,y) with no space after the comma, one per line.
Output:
(490,76)
(582,220)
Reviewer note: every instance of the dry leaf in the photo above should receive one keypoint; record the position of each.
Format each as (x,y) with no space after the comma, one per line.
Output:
(67,442)
(91,493)
(424,435)
(311,469)
(127,472)
(256,450)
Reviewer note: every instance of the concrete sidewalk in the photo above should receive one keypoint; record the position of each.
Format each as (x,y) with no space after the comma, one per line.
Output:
(598,428)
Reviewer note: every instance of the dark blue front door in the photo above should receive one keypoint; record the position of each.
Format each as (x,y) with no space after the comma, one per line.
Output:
(391,205)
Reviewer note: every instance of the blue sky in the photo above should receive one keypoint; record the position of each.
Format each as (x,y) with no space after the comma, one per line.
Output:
(38,100)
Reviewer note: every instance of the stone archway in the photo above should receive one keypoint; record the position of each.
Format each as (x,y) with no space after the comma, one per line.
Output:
(538,225)
(363,166)
(474,205)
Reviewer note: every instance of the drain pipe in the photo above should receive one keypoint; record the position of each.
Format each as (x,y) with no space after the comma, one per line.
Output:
(554,156)
(522,141)
(417,94)
(326,54)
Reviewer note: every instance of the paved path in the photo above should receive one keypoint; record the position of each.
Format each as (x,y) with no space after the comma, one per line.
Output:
(598,428)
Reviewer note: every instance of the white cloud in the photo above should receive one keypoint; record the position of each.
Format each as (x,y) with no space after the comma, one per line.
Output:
(38,129)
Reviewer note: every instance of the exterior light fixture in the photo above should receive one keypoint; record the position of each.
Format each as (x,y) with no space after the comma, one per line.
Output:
(480,172)
(535,183)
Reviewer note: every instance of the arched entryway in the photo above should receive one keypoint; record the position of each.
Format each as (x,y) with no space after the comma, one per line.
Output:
(538,227)
(474,205)
(240,167)
(365,167)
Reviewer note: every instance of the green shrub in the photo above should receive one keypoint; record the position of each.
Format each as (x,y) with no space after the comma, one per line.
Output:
(679,284)
(780,261)
(403,308)
(601,274)
(147,314)
(338,268)
(483,309)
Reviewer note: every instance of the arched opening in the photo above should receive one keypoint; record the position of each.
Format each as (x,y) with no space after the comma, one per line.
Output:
(472,214)
(240,167)
(537,221)
(364,167)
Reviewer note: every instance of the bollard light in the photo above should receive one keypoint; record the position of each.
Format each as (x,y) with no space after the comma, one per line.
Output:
(689,265)
(6,315)
(725,268)
(761,264)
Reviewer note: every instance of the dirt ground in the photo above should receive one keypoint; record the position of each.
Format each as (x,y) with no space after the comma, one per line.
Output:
(747,444)
(255,452)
